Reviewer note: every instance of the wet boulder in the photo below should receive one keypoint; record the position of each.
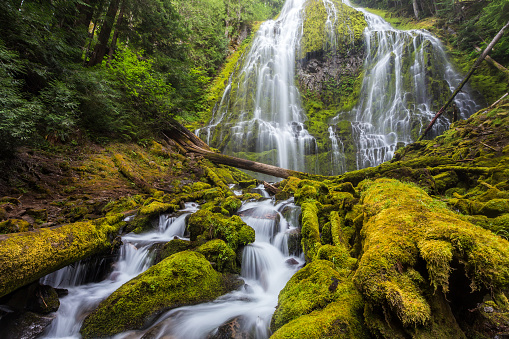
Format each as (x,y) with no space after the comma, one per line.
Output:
(184,278)
(27,325)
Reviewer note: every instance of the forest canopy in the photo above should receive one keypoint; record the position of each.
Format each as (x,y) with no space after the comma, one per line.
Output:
(111,68)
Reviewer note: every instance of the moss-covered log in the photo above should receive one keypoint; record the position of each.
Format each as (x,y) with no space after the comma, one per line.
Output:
(403,226)
(28,256)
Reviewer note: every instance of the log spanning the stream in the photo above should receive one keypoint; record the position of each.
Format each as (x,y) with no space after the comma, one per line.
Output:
(191,143)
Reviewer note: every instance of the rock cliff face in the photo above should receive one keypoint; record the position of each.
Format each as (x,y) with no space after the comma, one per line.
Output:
(332,50)
(329,75)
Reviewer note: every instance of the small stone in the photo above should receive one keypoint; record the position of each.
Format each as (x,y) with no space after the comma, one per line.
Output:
(292,262)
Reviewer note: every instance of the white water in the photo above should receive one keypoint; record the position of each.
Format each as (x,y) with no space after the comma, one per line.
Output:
(260,110)
(390,105)
(134,259)
(337,153)
(264,270)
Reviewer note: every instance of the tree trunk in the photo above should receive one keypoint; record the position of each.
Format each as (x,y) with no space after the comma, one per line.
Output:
(416,9)
(115,34)
(458,89)
(104,35)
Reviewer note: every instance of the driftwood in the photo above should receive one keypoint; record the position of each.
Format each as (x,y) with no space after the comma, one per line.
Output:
(191,143)
(271,188)
(467,77)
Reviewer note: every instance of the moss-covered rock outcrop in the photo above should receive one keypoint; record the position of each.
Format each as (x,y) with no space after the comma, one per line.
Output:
(184,278)
(422,241)
(329,77)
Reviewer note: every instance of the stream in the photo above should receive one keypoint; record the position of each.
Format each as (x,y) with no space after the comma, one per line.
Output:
(267,265)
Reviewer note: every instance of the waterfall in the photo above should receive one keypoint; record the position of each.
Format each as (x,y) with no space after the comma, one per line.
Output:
(265,270)
(407,78)
(260,115)
(134,258)
(337,153)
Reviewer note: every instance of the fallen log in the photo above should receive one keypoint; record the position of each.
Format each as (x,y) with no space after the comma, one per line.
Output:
(493,62)
(191,143)
(25,257)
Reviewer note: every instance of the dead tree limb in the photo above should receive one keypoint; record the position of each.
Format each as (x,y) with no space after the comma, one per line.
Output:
(467,77)
(493,62)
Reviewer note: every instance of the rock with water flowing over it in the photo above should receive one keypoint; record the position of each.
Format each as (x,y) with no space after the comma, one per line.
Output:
(184,278)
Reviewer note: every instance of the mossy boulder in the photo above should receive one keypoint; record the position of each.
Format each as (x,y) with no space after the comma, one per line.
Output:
(221,256)
(318,302)
(231,204)
(14,226)
(184,278)
(206,225)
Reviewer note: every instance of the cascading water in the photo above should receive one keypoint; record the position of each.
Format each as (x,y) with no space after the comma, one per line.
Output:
(265,270)
(337,153)
(407,76)
(134,258)
(260,114)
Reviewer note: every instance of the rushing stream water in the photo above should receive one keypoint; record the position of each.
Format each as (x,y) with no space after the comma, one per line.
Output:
(265,271)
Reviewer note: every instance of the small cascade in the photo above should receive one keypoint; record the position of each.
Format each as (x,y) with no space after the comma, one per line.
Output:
(266,268)
(84,294)
(84,298)
(337,153)
(407,75)
(330,24)
(260,115)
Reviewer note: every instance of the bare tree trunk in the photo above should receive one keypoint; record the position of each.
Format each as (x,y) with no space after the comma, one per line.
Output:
(104,35)
(115,34)
(458,89)
(416,9)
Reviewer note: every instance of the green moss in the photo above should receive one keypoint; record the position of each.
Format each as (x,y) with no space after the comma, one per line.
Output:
(220,255)
(318,303)
(403,225)
(184,278)
(310,230)
(156,208)
(14,226)
(207,225)
(231,204)
(172,247)
(349,27)
(28,256)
